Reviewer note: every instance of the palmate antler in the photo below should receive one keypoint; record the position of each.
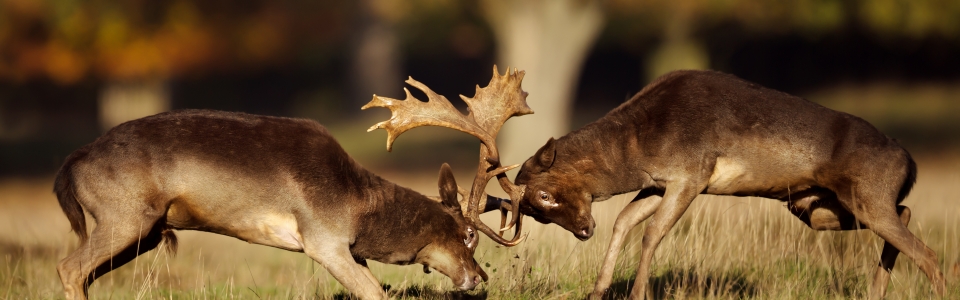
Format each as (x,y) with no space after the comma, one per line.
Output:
(489,108)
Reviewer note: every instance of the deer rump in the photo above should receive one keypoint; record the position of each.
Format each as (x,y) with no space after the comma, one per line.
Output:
(693,132)
(274,181)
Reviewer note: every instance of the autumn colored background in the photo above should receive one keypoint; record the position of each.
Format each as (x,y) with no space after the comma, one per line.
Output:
(71,69)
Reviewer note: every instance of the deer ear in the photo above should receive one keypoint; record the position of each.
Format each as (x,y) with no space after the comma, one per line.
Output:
(448,187)
(546,155)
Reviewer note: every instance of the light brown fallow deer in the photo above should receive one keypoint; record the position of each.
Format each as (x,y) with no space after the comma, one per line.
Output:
(705,132)
(273,181)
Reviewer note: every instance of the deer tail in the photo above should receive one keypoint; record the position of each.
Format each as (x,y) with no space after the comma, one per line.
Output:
(66,192)
(169,240)
(909,180)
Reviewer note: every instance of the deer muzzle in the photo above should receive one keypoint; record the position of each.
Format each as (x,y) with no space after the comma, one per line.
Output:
(471,281)
(585,232)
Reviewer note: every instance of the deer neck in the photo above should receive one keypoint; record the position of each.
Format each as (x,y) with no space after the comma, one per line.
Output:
(397,225)
(608,162)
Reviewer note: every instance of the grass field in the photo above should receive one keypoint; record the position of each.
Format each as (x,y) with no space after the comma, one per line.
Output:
(724,247)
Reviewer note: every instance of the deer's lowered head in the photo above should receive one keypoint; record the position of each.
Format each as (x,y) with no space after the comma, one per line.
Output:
(557,192)
(451,251)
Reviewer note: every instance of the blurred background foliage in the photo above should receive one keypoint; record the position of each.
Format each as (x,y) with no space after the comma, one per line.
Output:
(70,69)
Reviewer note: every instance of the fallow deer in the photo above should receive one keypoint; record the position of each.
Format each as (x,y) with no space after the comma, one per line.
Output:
(705,132)
(273,181)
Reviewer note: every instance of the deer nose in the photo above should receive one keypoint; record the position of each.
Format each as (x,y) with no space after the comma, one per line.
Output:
(470,284)
(585,232)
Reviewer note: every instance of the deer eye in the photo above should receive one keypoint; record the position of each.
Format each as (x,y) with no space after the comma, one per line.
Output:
(545,199)
(470,237)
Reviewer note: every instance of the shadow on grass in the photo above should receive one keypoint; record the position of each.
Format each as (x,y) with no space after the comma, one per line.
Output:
(691,283)
(421,292)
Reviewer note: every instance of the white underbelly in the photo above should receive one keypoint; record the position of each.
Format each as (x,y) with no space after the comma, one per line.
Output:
(728,177)
(274,229)
(732,176)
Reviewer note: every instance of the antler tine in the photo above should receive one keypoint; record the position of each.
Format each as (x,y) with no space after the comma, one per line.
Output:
(500,100)
(516,192)
(505,206)
(465,198)
(517,237)
(411,113)
(501,170)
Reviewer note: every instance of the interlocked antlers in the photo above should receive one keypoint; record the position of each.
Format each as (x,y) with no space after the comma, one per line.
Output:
(490,107)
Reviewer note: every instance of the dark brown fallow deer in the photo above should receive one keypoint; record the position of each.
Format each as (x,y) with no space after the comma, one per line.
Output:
(489,108)
(704,132)
(273,181)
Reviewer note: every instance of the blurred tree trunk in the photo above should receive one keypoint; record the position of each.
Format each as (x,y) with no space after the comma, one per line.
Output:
(125,100)
(549,39)
(375,65)
(679,51)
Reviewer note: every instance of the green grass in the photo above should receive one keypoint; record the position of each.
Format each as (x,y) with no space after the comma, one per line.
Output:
(723,248)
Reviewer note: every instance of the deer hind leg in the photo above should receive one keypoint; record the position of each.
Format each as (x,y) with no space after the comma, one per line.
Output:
(112,244)
(676,200)
(887,258)
(878,212)
(828,214)
(638,210)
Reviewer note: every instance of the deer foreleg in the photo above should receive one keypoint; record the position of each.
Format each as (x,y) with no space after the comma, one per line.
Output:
(366,271)
(638,210)
(355,277)
(676,200)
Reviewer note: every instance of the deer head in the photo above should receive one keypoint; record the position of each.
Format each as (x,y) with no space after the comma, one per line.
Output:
(489,108)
